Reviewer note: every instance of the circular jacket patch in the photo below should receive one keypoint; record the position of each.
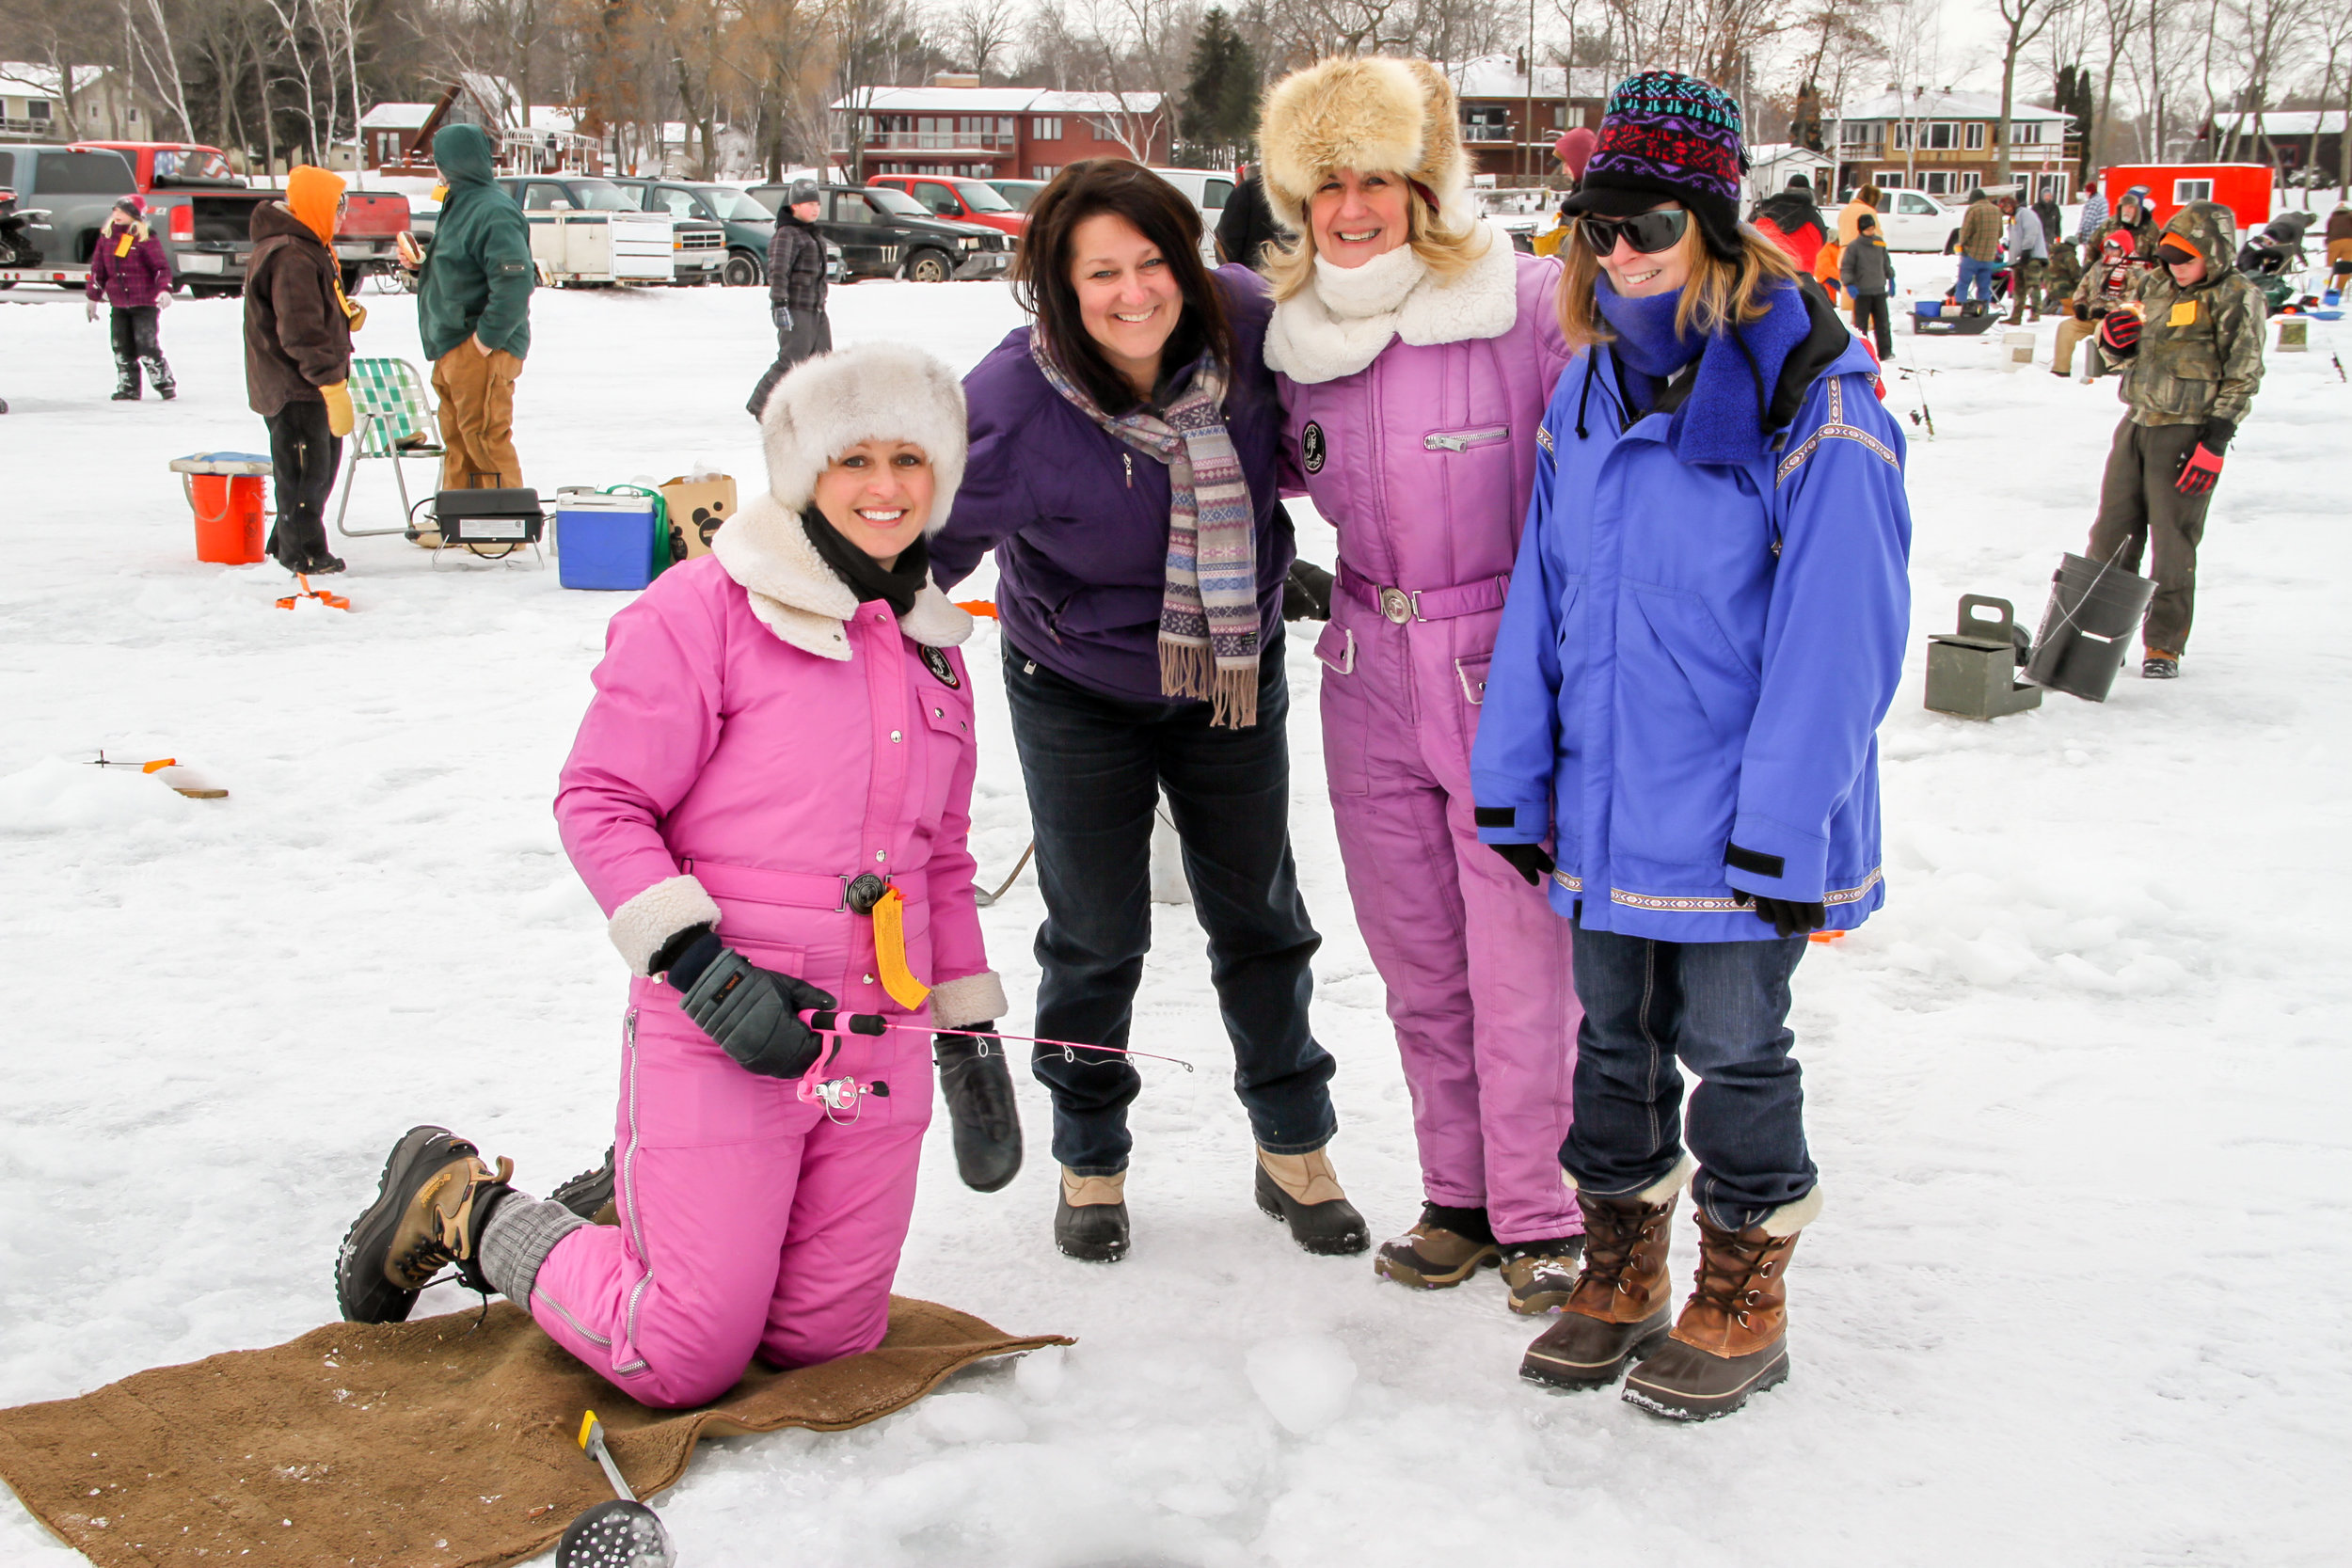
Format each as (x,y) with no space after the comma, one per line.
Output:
(1310,447)
(935,660)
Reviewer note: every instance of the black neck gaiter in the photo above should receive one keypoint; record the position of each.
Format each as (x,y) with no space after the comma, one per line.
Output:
(869,578)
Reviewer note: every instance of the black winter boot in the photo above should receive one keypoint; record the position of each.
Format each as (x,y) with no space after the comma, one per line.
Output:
(160,374)
(430,1207)
(589,1194)
(1304,1191)
(977,1082)
(126,379)
(1090,1217)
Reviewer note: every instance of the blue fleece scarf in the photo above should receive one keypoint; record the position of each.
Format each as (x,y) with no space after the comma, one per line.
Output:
(1723,419)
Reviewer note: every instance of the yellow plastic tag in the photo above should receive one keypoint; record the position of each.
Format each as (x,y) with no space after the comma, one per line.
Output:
(890,952)
(122,246)
(2184,314)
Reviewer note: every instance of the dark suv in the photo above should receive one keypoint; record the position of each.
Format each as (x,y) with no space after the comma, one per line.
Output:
(698,246)
(748,226)
(886,233)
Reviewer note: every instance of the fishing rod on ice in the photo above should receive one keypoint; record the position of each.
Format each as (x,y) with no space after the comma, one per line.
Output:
(1913,372)
(838,1094)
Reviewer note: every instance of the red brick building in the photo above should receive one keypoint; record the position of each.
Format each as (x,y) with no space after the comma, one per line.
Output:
(951,127)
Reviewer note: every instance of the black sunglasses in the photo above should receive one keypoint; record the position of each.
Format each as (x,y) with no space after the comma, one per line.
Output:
(1646,232)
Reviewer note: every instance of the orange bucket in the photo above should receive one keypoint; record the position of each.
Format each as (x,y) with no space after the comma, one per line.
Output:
(228,517)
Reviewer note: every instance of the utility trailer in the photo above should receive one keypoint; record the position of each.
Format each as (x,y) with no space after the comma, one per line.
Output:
(595,248)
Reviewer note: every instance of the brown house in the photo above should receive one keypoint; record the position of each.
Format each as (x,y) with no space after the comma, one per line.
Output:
(1948,143)
(956,127)
(1509,137)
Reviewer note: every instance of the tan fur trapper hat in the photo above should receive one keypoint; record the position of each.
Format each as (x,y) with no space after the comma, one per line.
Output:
(872,393)
(1367,113)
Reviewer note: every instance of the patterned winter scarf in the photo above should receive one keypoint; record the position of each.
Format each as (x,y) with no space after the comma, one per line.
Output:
(1208,608)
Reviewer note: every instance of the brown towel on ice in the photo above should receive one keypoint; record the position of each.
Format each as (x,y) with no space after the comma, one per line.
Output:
(433,1442)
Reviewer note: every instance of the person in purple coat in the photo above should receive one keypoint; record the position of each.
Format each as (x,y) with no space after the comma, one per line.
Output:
(129,270)
(1125,468)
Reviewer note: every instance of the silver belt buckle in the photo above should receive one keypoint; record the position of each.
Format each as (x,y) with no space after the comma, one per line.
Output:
(1396,605)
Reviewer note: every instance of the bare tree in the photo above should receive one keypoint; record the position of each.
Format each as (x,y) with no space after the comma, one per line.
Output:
(982,31)
(2023,20)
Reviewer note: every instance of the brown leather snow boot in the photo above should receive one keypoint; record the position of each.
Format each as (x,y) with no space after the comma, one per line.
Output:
(1619,1305)
(1732,1339)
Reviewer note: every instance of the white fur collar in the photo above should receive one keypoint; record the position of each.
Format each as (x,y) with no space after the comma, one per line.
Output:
(796,596)
(1310,341)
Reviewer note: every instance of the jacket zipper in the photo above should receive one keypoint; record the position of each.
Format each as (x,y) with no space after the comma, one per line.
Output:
(1462,440)
(1128,458)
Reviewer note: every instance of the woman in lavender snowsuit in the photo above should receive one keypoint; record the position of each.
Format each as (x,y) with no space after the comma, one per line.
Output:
(1417,350)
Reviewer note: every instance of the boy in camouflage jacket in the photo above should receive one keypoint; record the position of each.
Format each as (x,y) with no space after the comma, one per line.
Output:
(2191,335)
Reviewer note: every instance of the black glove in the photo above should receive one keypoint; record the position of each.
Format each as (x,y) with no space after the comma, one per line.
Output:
(782,316)
(1787,919)
(754,1014)
(2216,435)
(1306,592)
(1528,860)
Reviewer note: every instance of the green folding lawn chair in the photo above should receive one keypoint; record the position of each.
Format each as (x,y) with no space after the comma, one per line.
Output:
(392,420)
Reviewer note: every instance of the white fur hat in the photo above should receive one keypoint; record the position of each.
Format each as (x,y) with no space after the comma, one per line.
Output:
(873,392)
(1368,113)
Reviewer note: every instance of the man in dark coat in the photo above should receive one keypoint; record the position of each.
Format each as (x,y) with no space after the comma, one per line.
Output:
(473,313)
(796,287)
(1246,226)
(297,359)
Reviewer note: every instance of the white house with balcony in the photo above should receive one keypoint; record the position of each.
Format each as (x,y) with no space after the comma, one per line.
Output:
(36,106)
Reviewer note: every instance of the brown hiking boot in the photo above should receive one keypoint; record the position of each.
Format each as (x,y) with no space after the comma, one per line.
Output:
(1618,1308)
(1732,1339)
(1540,1275)
(1443,1248)
(428,1214)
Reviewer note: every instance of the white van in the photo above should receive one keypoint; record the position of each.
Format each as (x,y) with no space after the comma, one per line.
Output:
(1208,189)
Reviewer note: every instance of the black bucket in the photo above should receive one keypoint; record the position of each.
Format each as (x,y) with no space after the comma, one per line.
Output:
(2094,611)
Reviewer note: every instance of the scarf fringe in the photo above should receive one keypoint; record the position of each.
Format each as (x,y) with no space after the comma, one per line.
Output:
(1190,670)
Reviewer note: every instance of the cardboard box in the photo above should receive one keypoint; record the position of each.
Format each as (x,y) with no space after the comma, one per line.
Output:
(697,507)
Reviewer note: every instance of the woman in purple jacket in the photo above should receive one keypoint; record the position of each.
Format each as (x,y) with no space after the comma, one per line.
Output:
(1416,350)
(129,270)
(1124,468)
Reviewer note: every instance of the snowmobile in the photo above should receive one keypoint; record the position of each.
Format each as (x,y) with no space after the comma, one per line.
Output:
(16,240)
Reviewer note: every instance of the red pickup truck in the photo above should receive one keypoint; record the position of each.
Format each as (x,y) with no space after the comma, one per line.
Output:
(203,210)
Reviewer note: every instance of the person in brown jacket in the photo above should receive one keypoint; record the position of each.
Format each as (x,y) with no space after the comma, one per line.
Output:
(297,359)
(1980,243)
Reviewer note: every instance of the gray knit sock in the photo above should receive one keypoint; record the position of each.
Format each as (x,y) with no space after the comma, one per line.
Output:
(521,1233)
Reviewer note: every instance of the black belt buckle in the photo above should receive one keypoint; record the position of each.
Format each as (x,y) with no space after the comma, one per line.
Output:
(864,892)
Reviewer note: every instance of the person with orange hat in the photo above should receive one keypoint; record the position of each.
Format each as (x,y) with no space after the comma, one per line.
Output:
(297,357)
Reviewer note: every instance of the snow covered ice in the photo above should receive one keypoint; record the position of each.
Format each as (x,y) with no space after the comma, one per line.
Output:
(2078,1094)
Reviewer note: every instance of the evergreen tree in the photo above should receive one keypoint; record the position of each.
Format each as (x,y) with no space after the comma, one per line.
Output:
(1220,110)
(2075,99)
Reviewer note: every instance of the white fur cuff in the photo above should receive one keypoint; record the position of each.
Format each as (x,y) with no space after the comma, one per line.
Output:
(641,926)
(975,999)
(1789,1218)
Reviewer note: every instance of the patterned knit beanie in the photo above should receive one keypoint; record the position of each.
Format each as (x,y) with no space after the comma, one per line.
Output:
(1666,134)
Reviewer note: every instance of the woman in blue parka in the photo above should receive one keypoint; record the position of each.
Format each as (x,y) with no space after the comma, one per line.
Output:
(1703,629)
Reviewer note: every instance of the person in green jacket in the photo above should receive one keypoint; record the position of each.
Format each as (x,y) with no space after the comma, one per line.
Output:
(473,311)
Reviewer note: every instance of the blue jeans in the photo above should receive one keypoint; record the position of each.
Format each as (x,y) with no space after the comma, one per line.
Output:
(1977,273)
(1096,767)
(1722,1008)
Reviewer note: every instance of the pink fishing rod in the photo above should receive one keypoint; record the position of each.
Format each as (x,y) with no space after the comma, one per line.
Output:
(825,1021)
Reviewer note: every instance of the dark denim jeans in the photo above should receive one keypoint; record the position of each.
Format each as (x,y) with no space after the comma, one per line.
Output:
(1974,275)
(1722,1008)
(1096,767)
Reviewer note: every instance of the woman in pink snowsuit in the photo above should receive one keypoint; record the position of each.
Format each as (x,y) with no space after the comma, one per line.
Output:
(1417,351)
(779,729)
